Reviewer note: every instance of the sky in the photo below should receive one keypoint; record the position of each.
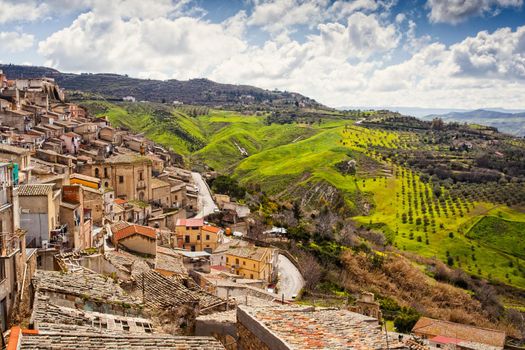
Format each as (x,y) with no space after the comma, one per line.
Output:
(412,53)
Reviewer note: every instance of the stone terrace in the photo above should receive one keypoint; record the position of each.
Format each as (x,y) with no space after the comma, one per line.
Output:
(288,327)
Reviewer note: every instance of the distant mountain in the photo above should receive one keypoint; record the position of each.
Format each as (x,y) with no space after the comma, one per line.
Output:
(419,112)
(510,123)
(194,91)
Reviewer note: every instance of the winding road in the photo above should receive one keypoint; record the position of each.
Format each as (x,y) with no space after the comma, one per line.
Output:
(205,200)
(290,279)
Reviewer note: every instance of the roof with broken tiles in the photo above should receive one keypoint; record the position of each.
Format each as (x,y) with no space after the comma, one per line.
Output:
(87,340)
(319,328)
(48,315)
(83,283)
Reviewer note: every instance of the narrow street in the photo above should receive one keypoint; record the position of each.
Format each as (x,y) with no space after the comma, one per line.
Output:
(205,200)
(290,279)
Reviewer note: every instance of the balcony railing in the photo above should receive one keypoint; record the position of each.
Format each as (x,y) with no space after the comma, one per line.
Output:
(9,243)
(141,184)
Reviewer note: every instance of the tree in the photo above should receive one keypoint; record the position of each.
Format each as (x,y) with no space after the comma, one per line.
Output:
(405,320)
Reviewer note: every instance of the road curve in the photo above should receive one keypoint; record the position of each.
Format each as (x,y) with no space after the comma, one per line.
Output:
(205,200)
(290,279)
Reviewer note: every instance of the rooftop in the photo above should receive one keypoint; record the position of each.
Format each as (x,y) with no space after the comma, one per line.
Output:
(87,340)
(134,229)
(433,327)
(156,183)
(35,190)
(315,328)
(250,252)
(127,158)
(190,222)
(84,283)
(13,150)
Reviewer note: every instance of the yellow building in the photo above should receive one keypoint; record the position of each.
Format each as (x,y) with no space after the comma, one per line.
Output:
(251,262)
(193,235)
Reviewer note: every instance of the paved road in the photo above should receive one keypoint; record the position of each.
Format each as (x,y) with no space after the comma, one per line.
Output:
(205,200)
(290,279)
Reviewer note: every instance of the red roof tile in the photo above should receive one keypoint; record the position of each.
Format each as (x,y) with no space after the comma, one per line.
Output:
(190,222)
(212,229)
(120,201)
(134,229)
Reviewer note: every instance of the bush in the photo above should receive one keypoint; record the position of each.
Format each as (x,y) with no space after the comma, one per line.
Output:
(405,320)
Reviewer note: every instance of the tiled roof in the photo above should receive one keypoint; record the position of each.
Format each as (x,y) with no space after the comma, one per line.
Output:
(4,148)
(212,229)
(47,316)
(35,190)
(127,158)
(432,328)
(135,229)
(190,222)
(156,183)
(120,201)
(253,253)
(168,260)
(314,328)
(82,283)
(83,340)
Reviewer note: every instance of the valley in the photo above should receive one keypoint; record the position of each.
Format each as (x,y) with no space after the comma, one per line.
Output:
(470,224)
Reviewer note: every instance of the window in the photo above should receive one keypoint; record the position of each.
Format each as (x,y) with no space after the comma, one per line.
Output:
(192,248)
(97,172)
(251,276)
(105,172)
(244,262)
(121,179)
(141,175)
(236,261)
(207,237)
(106,184)
(198,237)
(254,265)
(2,269)
(227,260)
(187,239)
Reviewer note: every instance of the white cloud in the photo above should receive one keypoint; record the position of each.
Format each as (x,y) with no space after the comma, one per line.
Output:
(184,47)
(15,41)
(21,11)
(498,55)
(455,11)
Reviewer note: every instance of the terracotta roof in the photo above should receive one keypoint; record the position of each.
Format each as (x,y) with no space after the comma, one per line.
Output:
(120,201)
(445,340)
(35,190)
(432,328)
(314,328)
(209,228)
(190,222)
(135,229)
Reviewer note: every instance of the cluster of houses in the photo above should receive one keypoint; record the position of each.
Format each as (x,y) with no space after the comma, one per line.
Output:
(102,246)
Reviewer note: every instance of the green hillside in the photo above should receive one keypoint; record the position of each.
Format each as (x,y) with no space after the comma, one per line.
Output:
(473,226)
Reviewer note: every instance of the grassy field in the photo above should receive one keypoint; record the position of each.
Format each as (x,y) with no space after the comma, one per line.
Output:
(298,159)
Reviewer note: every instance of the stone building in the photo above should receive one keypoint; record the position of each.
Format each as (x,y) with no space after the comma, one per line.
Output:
(129,175)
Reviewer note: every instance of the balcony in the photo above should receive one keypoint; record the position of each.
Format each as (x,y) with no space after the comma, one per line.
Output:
(141,184)
(9,243)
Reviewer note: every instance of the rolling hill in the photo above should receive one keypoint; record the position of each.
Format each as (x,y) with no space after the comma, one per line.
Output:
(196,91)
(404,185)
(511,123)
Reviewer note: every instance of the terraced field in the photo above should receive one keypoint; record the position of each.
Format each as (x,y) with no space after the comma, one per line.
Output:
(301,161)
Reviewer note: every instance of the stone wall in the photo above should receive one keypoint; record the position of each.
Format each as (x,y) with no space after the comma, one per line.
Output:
(255,336)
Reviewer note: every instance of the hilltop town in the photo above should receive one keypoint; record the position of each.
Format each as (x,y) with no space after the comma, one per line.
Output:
(106,242)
